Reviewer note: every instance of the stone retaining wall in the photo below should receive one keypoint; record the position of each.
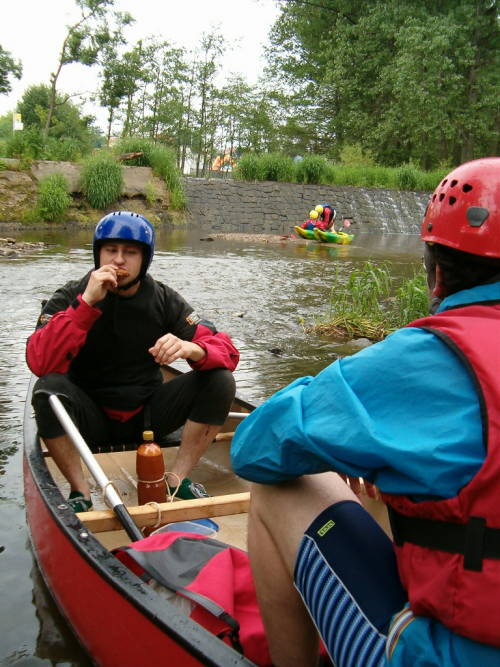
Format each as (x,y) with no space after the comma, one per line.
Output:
(275,208)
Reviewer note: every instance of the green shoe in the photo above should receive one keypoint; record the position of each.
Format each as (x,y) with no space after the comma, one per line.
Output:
(77,502)
(188,490)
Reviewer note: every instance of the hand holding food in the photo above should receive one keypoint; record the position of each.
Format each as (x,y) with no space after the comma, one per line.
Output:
(99,283)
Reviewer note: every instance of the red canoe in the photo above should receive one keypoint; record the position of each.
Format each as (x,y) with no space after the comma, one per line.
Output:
(118,619)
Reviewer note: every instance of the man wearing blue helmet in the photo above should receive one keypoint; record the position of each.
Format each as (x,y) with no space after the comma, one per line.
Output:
(99,344)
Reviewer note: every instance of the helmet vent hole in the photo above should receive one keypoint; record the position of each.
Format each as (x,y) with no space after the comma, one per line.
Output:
(444,182)
(441,196)
(467,187)
(452,200)
(434,197)
(453,183)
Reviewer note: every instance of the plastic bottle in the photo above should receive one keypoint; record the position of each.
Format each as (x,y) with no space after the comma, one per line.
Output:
(150,469)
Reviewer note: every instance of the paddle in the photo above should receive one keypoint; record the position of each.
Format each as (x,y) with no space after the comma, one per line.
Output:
(111,496)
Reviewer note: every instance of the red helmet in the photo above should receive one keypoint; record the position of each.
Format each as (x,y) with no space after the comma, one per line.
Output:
(464,211)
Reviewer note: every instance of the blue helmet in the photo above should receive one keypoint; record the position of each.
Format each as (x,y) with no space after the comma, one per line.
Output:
(125,226)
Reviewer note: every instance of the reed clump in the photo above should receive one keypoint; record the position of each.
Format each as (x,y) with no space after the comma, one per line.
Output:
(102,180)
(370,305)
(54,199)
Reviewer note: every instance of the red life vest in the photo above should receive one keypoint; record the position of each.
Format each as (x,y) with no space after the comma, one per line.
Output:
(448,551)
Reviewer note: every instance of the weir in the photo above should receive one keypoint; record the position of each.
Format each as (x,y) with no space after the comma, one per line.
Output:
(275,208)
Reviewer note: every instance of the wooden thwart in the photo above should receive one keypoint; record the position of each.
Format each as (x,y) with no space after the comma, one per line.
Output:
(101,521)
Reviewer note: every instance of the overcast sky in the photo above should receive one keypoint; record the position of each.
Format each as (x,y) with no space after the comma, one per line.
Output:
(34,30)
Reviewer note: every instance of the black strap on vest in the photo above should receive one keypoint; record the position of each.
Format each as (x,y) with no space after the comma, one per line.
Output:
(473,539)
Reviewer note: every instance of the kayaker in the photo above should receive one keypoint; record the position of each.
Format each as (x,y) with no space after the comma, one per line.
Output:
(99,344)
(326,217)
(311,222)
(420,420)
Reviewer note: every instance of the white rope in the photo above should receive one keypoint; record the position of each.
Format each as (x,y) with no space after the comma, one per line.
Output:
(171,496)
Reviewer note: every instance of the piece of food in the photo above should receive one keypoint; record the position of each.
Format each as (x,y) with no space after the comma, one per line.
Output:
(122,273)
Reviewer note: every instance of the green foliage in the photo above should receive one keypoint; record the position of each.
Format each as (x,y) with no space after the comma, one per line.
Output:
(54,198)
(365,305)
(407,178)
(248,168)
(102,180)
(315,169)
(3,166)
(178,199)
(276,167)
(8,67)
(6,126)
(162,161)
(352,155)
(312,169)
(405,80)
(151,193)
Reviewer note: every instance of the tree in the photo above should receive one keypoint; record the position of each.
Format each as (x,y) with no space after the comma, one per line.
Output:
(114,73)
(407,79)
(8,67)
(83,43)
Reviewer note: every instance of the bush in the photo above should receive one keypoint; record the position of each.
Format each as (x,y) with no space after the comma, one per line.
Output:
(407,178)
(102,180)
(248,168)
(276,167)
(162,161)
(311,169)
(65,150)
(54,197)
(135,145)
(178,199)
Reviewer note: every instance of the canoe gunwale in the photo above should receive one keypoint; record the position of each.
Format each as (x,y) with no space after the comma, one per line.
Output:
(193,638)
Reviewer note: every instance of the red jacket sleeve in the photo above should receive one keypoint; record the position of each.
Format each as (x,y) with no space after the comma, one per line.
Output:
(220,350)
(54,345)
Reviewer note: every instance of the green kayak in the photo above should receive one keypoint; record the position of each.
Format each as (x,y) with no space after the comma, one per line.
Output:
(306,233)
(341,238)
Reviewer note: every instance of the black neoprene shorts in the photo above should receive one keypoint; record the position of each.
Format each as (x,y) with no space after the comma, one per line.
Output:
(204,397)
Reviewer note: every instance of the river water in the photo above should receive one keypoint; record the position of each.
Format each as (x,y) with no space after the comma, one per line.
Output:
(257,292)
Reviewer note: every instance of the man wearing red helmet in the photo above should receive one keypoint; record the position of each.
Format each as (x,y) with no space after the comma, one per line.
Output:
(99,344)
(421,421)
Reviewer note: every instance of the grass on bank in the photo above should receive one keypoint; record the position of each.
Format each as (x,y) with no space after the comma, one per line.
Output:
(102,180)
(315,169)
(367,307)
(162,161)
(54,198)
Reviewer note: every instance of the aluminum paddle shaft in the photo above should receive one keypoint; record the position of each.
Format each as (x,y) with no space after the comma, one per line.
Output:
(112,497)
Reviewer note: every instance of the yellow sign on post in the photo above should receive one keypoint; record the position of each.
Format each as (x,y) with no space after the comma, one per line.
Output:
(17,123)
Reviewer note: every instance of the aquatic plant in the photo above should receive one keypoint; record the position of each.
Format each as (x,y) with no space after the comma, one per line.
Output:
(366,306)
(102,180)
(54,198)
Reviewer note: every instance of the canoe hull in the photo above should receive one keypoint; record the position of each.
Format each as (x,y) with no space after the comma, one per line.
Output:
(117,618)
(305,233)
(340,238)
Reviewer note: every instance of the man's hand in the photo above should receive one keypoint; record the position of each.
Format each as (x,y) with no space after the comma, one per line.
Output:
(99,283)
(355,484)
(168,348)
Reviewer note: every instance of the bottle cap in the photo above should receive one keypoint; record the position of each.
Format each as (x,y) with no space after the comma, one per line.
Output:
(148,435)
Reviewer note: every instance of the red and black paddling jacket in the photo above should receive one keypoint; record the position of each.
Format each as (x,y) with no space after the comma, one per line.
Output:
(104,349)
(448,551)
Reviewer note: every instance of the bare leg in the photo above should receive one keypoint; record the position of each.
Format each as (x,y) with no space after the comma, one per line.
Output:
(279,516)
(194,442)
(67,459)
